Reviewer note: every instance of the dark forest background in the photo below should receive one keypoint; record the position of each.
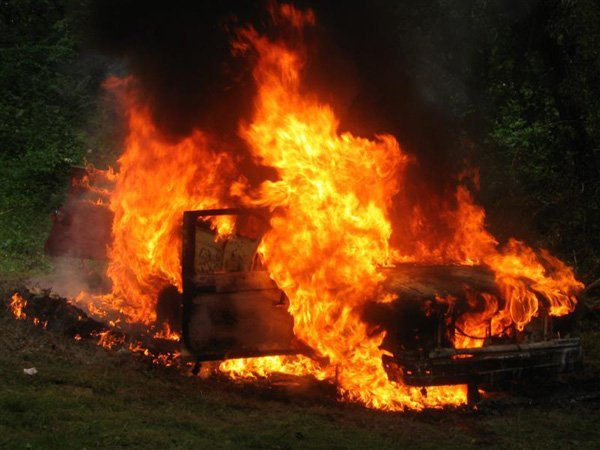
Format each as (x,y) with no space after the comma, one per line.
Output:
(518,80)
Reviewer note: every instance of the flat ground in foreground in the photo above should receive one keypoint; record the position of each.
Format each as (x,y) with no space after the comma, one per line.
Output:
(86,397)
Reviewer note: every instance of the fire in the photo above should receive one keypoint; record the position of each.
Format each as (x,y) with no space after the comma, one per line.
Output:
(331,206)
(157,180)
(108,340)
(330,227)
(523,276)
(17,306)
(331,230)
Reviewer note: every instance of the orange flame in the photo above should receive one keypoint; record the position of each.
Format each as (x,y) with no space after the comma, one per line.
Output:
(331,232)
(331,229)
(157,181)
(108,340)
(17,306)
(523,276)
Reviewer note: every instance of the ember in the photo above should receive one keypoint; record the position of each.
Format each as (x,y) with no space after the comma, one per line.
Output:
(51,312)
(17,306)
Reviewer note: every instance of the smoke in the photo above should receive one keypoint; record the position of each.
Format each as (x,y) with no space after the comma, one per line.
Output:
(386,66)
(71,276)
(181,56)
(180,53)
(396,67)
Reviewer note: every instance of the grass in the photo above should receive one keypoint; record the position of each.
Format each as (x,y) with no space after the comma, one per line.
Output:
(24,227)
(86,397)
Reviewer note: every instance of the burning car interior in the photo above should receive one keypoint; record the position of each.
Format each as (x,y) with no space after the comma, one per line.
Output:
(295,242)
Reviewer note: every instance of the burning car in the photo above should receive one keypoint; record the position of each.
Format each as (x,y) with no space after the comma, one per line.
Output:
(230,307)
(307,271)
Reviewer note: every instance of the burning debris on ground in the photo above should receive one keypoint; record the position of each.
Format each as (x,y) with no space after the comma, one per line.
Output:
(300,258)
(30,306)
(54,313)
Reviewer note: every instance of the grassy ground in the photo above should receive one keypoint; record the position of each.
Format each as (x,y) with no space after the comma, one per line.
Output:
(86,397)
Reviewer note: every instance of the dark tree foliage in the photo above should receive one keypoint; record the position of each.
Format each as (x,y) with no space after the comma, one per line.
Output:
(48,92)
(540,137)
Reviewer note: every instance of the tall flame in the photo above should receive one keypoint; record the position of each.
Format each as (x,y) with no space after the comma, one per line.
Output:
(156,182)
(330,229)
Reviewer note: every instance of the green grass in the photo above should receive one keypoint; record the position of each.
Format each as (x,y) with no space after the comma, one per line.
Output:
(24,224)
(20,254)
(86,397)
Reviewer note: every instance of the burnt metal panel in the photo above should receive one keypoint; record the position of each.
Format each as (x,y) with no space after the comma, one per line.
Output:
(239,324)
(81,227)
(461,366)
(230,310)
